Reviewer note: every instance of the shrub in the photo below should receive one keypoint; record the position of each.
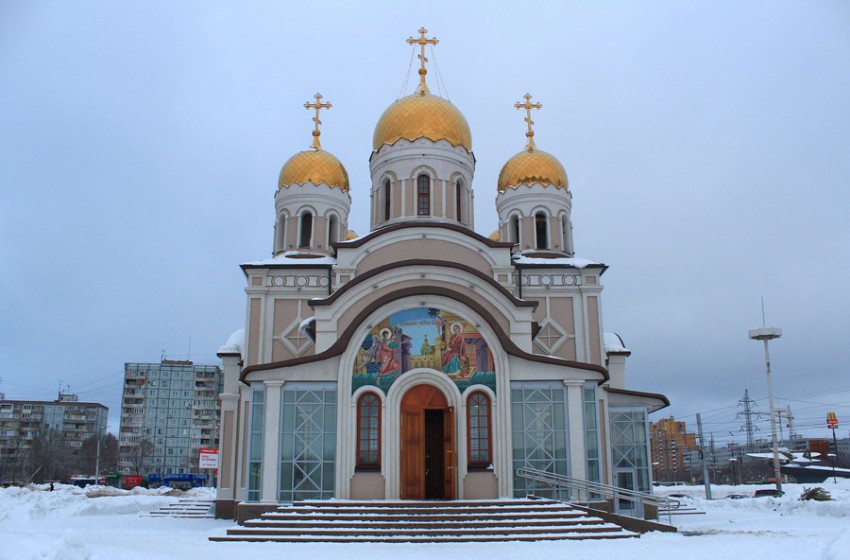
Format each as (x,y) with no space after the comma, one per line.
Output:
(818,494)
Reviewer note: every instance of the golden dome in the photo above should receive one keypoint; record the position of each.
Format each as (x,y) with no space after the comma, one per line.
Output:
(422,115)
(494,236)
(532,166)
(313,166)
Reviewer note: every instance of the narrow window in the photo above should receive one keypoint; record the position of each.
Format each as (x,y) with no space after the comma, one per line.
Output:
(515,229)
(458,201)
(280,233)
(333,230)
(306,229)
(369,431)
(540,230)
(478,420)
(387,200)
(423,195)
(565,229)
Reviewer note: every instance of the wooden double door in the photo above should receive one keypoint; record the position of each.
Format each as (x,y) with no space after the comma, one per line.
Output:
(428,448)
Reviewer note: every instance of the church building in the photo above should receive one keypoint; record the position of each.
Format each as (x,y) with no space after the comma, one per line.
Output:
(423,360)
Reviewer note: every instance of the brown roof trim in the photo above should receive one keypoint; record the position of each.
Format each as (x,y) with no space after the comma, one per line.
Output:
(658,396)
(354,243)
(338,347)
(600,266)
(422,262)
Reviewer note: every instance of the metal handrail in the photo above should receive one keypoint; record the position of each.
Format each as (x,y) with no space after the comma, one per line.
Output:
(586,488)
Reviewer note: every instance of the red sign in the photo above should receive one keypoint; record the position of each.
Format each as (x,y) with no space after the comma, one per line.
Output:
(831,420)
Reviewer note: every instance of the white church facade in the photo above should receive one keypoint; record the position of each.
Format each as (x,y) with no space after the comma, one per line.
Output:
(423,360)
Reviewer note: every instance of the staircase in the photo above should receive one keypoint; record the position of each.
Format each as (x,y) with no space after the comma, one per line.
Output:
(456,521)
(200,509)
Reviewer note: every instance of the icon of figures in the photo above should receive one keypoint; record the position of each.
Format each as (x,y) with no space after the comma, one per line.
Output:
(386,353)
(454,350)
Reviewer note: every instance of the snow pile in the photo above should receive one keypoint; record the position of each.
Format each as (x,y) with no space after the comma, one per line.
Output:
(97,523)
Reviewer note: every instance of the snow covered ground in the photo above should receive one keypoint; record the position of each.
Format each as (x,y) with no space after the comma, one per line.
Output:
(75,524)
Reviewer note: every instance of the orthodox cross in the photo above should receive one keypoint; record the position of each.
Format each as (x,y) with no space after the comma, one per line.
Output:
(422,41)
(528,106)
(318,106)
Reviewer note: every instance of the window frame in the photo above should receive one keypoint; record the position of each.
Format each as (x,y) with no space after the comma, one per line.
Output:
(488,437)
(305,238)
(423,195)
(387,200)
(541,230)
(459,200)
(360,464)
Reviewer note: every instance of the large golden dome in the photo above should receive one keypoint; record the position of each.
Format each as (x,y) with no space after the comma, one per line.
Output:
(422,115)
(532,166)
(313,166)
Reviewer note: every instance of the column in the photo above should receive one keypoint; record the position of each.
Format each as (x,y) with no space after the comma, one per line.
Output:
(271,442)
(575,415)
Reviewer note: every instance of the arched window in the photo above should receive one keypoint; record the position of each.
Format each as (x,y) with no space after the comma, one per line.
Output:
(333,230)
(515,229)
(306,232)
(387,200)
(459,200)
(480,450)
(540,227)
(423,195)
(369,431)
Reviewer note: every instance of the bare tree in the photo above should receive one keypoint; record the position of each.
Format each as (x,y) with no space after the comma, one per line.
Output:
(108,454)
(142,450)
(49,457)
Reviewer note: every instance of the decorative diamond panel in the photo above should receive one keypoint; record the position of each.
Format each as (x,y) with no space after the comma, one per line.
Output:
(551,336)
(294,338)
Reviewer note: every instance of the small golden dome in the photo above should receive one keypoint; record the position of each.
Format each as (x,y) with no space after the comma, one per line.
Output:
(422,115)
(494,236)
(532,166)
(351,235)
(313,166)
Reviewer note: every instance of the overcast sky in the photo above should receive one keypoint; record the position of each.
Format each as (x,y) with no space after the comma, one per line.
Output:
(707,146)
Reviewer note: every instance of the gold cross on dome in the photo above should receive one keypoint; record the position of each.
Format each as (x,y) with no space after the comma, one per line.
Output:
(318,106)
(422,41)
(528,106)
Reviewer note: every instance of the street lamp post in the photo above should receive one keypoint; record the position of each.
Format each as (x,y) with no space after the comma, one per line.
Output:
(766,334)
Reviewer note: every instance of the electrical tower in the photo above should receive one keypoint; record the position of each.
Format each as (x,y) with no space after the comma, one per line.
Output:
(748,404)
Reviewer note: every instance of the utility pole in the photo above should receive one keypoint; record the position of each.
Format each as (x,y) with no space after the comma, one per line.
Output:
(702,456)
(766,334)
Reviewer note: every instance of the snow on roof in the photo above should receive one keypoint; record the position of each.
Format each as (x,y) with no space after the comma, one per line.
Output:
(304,327)
(574,262)
(293,258)
(235,343)
(613,343)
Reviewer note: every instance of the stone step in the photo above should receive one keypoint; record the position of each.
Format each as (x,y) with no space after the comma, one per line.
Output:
(618,534)
(201,509)
(396,521)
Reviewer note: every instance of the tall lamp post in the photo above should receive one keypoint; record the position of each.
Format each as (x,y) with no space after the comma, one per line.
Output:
(766,334)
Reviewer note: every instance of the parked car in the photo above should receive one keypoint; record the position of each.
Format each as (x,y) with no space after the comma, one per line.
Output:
(768,493)
(736,497)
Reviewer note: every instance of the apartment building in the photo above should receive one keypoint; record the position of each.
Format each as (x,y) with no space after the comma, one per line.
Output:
(22,420)
(169,412)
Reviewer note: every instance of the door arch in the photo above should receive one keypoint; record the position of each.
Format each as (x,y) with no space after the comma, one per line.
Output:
(428,448)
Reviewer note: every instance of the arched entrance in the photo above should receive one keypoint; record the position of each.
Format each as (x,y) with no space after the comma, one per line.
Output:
(428,448)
